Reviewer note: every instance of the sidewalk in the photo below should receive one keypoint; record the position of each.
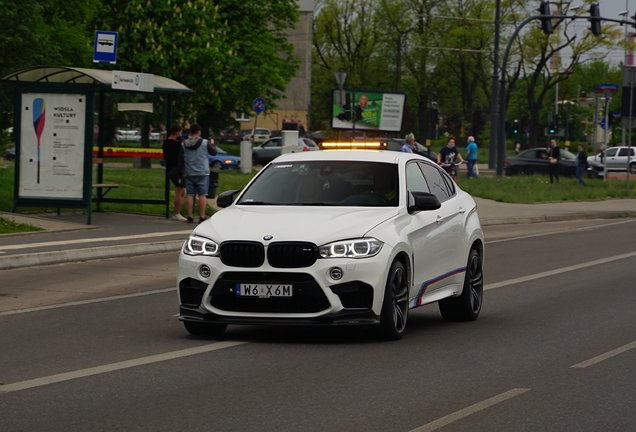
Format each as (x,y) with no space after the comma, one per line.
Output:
(67,238)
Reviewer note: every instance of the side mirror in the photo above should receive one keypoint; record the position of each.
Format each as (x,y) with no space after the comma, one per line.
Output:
(225,199)
(424,201)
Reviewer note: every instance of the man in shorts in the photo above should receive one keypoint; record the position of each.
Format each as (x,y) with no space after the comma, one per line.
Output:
(196,170)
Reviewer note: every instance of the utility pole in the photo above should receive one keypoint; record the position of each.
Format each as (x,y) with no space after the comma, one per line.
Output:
(494,109)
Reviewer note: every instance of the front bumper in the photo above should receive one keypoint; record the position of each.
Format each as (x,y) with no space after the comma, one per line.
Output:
(354,299)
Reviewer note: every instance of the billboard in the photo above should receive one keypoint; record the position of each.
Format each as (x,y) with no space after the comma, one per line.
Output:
(371,110)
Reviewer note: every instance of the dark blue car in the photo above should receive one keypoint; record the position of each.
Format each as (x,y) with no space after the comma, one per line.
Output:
(224,160)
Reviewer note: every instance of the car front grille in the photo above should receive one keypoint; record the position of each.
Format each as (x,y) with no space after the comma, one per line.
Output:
(248,254)
(307,296)
(242,254)
(292,254)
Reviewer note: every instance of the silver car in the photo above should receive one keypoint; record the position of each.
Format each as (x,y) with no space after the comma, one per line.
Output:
(273,147)
(617,159)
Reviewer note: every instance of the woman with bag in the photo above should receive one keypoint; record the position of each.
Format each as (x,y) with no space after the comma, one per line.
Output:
(554,152)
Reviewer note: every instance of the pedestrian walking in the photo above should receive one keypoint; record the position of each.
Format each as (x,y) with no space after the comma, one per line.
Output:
(581,164)
(409,145)
(196,170)
(471,157)
(554,152)
(174,169)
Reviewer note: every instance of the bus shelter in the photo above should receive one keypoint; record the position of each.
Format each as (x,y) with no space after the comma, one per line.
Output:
(60,113)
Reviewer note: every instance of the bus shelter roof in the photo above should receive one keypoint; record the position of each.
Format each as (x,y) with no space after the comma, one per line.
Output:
(102,79)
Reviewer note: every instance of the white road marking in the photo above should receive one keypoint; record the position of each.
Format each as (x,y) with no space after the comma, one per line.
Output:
(93,240)
(458,415)
(84,302)
(605,356)
(587,228)
(558,271)
(82,373)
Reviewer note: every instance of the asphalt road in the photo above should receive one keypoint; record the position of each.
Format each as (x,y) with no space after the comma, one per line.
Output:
(95,346)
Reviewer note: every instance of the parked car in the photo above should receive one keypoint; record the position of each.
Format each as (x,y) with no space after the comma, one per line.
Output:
(535,161)
(155,135)
(335,238)
(259,135)
(273,147)
(224,160)
(617,159)
(244,134)
(9,154)
(229,135)
(128,135)
(395,144)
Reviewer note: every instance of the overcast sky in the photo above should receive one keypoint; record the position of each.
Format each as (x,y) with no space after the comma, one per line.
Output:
(611,9)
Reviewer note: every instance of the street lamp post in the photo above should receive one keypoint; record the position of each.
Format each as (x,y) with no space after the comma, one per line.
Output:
(492,150)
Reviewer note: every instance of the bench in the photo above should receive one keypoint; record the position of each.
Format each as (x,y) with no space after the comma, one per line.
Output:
(107,186)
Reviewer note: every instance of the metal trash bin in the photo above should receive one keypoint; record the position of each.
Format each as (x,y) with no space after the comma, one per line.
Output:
(214,183)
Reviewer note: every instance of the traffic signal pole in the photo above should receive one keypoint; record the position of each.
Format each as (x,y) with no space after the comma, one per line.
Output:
(596,19)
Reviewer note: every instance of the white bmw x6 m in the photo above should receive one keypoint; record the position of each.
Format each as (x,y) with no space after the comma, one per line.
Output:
(335,238)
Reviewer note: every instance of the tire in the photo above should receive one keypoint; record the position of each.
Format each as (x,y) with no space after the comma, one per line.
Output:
(204,329)
(255,160)
(467,306)
(217,165)
(632,168)
(515,170)
(395,307)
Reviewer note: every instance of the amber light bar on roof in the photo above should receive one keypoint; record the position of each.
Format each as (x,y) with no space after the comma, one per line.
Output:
(351,145)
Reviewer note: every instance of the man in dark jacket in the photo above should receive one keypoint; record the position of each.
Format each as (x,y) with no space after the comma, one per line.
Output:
(171,149)
(581,164)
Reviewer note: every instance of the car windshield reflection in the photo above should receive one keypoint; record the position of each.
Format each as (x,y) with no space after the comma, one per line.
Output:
(324,183)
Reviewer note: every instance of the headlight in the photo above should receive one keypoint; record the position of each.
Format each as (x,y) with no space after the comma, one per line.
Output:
(358,248)
(196,245)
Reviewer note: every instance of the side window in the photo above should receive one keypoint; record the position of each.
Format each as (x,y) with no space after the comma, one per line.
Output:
(415,181)
(611,152)
(623,152)
(437,181)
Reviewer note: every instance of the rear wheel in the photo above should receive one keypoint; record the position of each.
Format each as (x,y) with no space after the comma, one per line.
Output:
(467,306)
(204,329)
(395,307)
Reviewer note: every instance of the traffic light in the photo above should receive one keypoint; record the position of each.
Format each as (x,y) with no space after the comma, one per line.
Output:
(546,23)
(595,19)
(552,129)
(515,127)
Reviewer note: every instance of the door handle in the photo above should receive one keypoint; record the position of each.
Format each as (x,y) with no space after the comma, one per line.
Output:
(439,219)
(462,210)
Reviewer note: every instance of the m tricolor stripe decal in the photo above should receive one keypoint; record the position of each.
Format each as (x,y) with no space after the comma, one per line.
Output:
(418,301)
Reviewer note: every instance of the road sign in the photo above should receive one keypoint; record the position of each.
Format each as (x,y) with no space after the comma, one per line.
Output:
(258,105)
(603,125)
(105,47)
(340,79)
(134,81)
(611,88)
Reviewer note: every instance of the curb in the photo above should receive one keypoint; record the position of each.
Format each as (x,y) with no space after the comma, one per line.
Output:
(557,218)
(87,254)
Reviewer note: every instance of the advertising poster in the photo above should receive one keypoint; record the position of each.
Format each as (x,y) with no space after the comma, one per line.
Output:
(372,110)
(52,128)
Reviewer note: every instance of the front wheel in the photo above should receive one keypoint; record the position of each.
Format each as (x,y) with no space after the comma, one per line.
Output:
(395,307)
(632,168)
(217,165)
(467,306)
(204,329)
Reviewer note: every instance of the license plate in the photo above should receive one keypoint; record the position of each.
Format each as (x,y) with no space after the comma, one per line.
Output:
(263,290)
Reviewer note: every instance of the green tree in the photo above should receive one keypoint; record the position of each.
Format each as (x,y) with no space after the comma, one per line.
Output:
(227,51)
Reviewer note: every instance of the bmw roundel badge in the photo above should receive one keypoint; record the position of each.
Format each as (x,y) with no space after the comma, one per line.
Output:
(268,237)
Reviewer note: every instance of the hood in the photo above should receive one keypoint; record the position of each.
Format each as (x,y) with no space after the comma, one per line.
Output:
(191,143)
(319,225)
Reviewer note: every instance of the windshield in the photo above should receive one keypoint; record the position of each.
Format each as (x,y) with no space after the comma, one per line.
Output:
(564,154)
(325,183)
